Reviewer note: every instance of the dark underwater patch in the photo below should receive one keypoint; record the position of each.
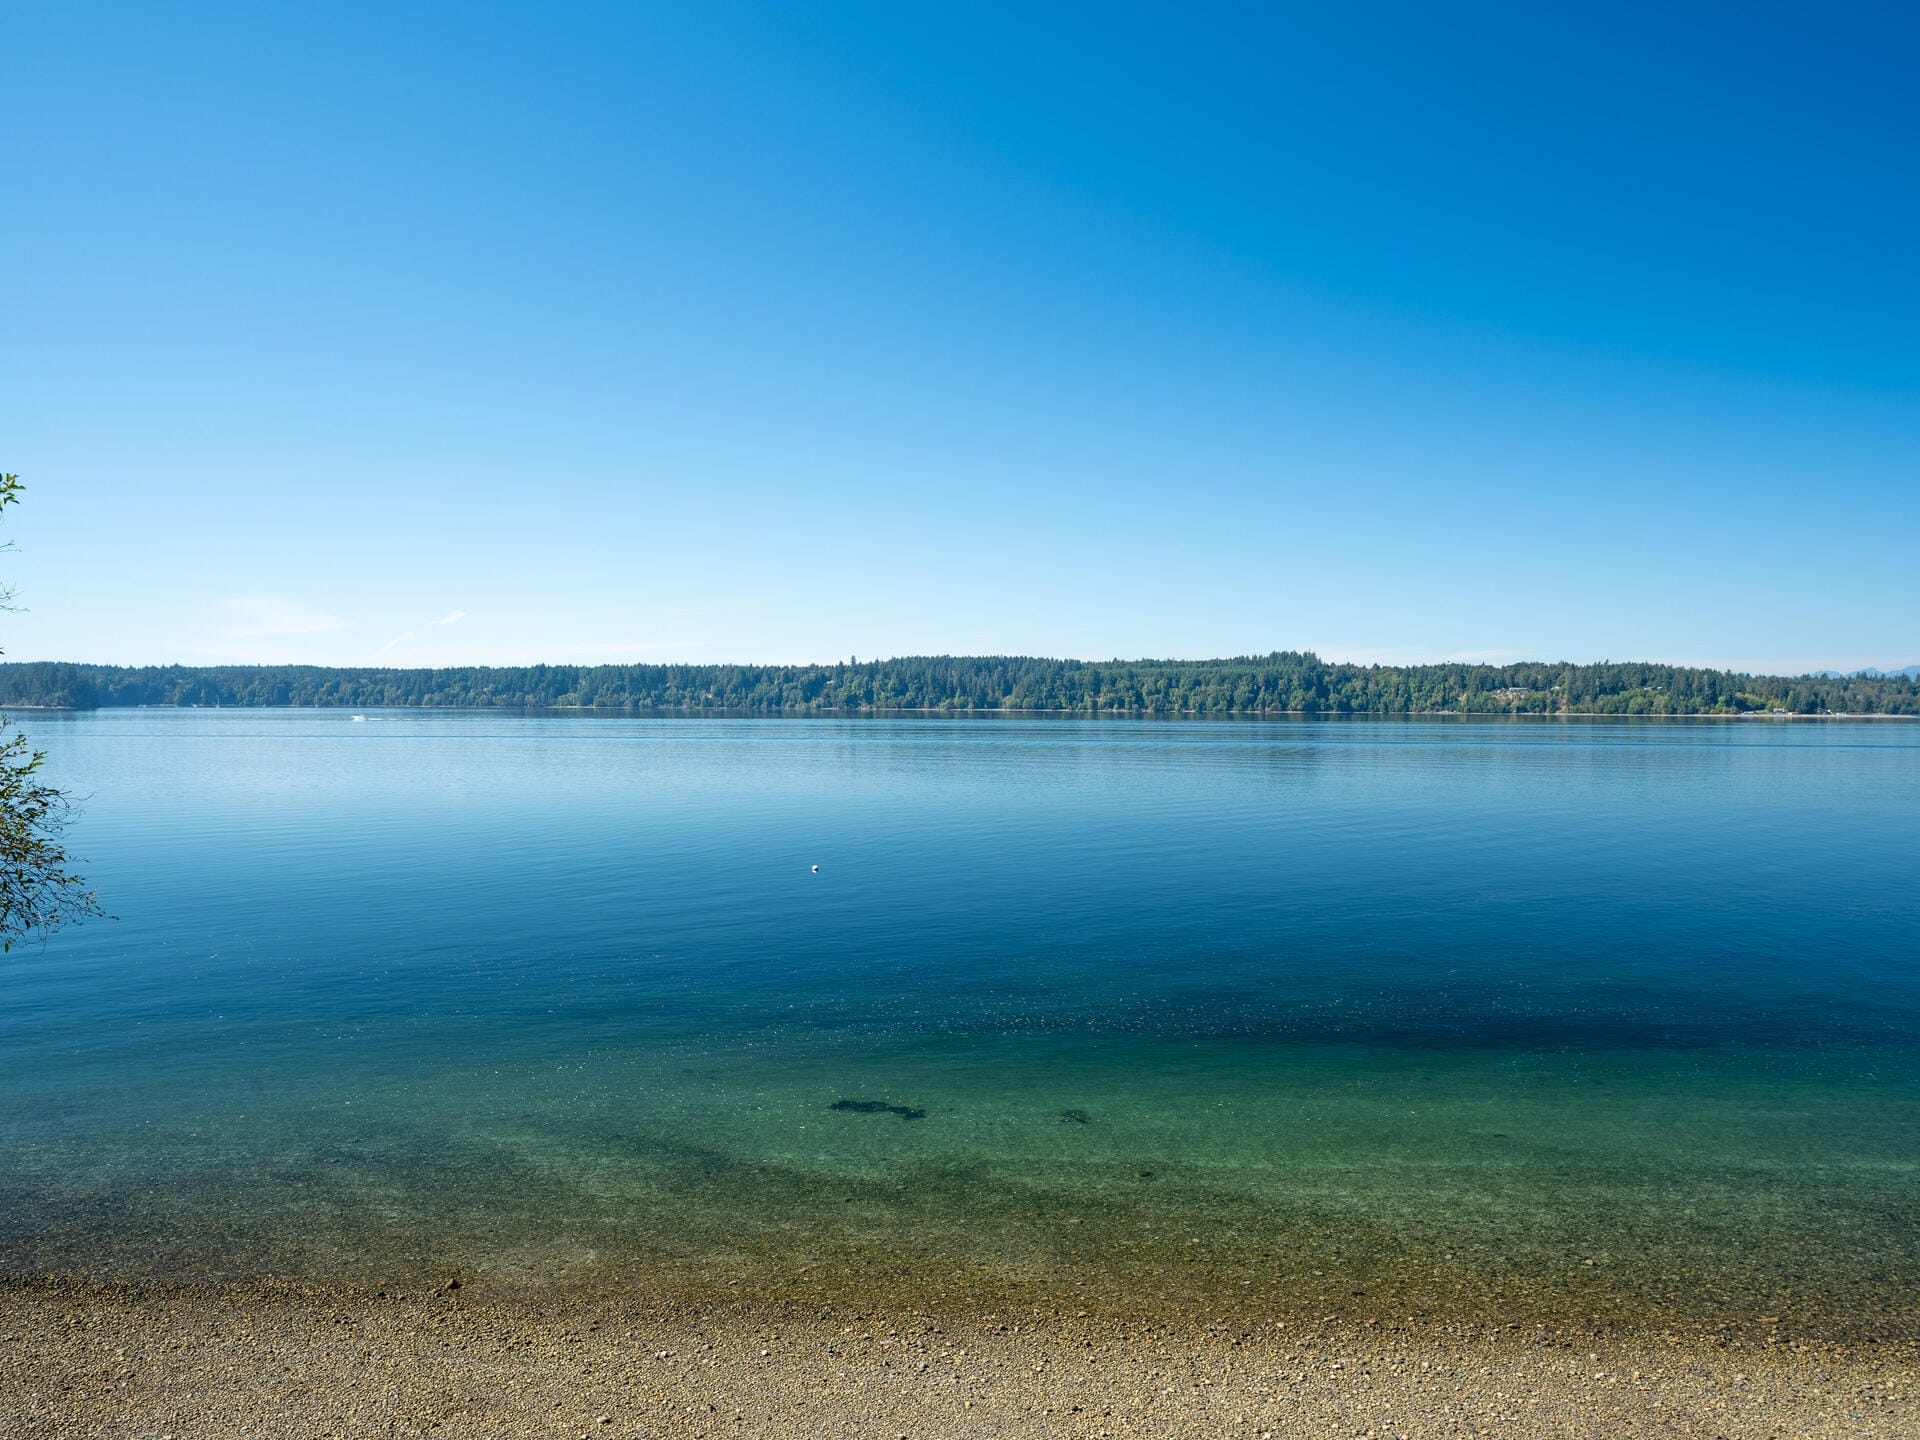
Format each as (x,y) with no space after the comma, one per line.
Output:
(878,1107)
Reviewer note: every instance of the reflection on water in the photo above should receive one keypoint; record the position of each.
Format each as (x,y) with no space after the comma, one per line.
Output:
(1616,1016)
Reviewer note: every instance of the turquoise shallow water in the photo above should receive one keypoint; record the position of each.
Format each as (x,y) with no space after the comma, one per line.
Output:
(1620,1018)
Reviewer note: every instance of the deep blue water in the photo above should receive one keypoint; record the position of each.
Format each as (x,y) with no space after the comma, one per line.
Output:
(1452,1007)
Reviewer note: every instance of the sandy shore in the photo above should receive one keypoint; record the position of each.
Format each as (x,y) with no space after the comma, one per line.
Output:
(84,1359)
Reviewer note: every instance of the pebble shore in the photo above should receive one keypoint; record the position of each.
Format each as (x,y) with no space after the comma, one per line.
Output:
(82,1358)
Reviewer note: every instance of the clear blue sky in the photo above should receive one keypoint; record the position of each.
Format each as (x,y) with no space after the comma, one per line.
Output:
(712,331)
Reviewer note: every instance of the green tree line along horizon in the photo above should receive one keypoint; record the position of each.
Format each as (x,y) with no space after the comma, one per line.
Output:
(1296,682)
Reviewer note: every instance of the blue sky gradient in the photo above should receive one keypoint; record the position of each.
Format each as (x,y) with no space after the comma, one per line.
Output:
(442,334)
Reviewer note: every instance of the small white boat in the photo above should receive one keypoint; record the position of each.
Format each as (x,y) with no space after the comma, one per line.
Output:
(360,717)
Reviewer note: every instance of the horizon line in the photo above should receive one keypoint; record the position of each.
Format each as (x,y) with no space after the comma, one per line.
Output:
(1481,660)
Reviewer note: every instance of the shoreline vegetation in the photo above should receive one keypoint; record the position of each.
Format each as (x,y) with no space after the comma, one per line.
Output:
(1281,683)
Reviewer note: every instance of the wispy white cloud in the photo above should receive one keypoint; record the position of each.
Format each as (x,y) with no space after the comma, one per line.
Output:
(256,617)
(452,617)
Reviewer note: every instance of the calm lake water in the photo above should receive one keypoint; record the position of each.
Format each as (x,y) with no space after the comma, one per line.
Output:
(1610,1018)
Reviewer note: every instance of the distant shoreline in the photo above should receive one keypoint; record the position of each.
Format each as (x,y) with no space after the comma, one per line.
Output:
(1280,683)
(800,712)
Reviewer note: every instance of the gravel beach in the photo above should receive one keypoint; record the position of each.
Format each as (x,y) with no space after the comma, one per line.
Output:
(80,1358)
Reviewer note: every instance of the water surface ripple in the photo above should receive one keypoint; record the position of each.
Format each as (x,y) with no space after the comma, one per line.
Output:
(1621,1017)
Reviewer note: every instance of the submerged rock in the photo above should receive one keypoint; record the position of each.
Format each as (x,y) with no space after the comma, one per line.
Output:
(878,1107)
(1075,1117)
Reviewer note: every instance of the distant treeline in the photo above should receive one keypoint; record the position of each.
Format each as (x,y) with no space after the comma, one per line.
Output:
(1286,681)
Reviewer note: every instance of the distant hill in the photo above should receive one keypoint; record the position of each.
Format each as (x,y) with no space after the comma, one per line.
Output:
(1911,672)
(1296,682)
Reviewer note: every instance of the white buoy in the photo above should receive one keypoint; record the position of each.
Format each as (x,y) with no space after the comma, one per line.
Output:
(816,869)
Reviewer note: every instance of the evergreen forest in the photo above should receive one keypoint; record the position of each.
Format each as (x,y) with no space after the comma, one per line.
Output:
(1283,682)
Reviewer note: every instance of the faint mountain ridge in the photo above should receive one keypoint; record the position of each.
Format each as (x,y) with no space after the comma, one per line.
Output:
(1910,672)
